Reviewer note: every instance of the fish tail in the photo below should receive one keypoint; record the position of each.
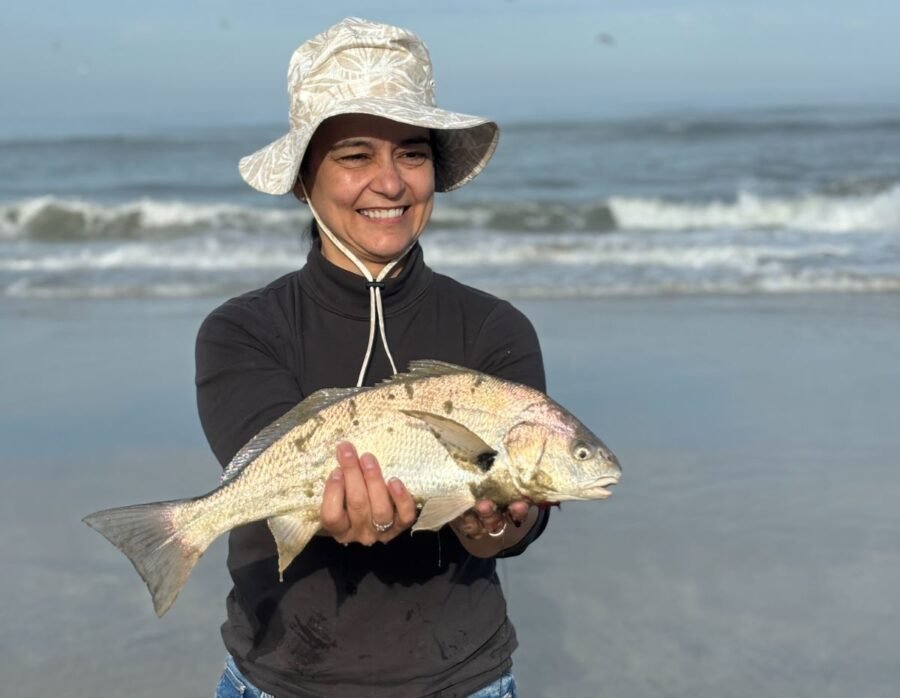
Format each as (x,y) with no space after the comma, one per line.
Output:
(161,542)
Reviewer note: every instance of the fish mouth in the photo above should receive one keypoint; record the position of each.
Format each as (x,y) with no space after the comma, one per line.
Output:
(591,489)
(597,488)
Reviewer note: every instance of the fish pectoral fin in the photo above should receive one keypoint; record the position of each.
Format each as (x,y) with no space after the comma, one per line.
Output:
(441,510)
(292,531)
(463,445)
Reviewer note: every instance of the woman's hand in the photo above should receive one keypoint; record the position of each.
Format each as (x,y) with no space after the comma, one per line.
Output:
(358,506)
(486,529)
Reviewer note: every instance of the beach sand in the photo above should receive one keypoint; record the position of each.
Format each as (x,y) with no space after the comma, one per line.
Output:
(751,548)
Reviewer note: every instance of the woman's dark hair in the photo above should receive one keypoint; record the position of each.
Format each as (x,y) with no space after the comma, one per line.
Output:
(313,229)
(435,151)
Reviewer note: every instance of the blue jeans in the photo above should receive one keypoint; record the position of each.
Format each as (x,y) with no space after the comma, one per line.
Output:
(504,687)
(234,685)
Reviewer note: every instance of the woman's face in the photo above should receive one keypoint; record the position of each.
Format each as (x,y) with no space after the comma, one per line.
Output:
(371,180)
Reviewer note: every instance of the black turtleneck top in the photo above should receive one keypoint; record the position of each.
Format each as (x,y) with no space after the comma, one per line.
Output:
(418,616)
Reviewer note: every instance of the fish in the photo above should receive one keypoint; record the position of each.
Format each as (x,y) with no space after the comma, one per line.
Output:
(452,435)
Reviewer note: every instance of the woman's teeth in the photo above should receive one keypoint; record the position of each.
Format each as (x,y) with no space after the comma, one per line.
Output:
(382,212)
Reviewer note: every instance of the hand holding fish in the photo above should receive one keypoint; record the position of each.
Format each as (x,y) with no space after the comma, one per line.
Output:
(357,504)
(484,530)
(359,507)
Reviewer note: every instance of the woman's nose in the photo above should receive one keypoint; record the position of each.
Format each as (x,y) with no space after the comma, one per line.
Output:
(388,180)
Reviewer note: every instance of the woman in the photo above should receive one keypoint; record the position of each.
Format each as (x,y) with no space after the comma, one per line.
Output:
(414,615)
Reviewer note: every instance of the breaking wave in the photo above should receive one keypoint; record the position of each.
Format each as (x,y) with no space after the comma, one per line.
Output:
(537,264)
(53,219)
(812,212)
(844,240)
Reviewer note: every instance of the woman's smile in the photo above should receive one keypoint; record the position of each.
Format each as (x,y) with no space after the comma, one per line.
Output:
(385,215)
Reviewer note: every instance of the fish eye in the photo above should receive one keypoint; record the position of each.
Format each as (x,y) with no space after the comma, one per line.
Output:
(581,451)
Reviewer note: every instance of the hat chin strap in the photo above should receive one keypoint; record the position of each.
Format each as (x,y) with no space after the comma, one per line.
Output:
(375,284)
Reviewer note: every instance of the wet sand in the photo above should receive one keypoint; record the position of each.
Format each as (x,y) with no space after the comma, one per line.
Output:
(751,548)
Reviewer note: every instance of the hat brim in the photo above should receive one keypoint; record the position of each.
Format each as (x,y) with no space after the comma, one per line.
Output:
(463,143)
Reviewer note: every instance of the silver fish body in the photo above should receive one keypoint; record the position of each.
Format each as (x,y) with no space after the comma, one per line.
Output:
(450,434)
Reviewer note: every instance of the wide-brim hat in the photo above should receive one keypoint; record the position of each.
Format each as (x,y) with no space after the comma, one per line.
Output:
(362,67)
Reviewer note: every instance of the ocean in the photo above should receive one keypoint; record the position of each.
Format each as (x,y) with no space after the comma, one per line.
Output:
(751,201)
(715,295)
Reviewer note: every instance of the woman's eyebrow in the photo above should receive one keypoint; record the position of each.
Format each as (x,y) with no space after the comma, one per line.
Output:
(352,143)
(363,143)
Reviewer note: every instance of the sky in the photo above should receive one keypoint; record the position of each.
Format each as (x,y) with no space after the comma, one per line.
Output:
(115,64)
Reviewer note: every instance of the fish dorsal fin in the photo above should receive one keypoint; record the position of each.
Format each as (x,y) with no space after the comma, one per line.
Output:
(463,445)
(426,368)
(298,414)
(433,367)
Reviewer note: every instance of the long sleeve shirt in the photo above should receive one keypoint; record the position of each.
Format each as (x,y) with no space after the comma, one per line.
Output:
(418,616)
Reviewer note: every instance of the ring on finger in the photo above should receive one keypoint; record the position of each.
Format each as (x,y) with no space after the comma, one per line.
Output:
(382,527)
(497,534)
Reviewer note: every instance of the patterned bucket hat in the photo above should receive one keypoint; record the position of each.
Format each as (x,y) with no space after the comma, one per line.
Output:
(362,67)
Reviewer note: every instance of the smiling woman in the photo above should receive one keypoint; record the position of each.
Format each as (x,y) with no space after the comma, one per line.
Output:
(371,181)
(412,616)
